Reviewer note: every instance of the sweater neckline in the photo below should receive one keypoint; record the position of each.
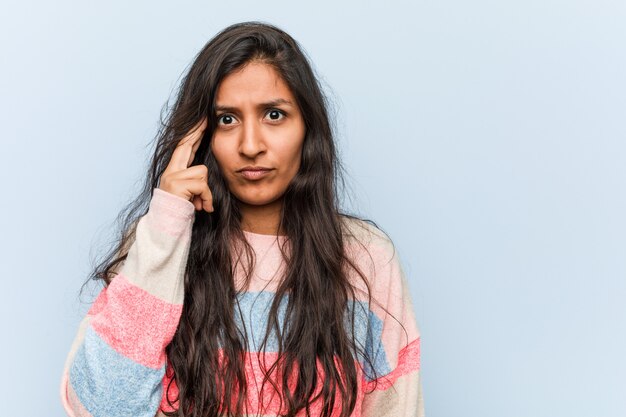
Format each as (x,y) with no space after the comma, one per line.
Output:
(261,238)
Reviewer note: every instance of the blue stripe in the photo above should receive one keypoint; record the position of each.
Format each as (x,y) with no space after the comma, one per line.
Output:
(368,328)
(368,331)
(109,384)
(253,318)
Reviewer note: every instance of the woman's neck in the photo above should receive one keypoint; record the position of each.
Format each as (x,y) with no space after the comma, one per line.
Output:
(262,220)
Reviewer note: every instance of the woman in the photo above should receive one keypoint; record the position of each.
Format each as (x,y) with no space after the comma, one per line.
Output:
(241,289)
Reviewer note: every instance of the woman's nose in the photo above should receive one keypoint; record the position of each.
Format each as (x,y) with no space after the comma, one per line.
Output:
(251,143)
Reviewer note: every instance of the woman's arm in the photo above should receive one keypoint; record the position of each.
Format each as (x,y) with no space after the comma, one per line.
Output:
(117,360)
(397,390)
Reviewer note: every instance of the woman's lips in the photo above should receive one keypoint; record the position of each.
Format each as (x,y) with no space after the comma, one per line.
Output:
(254,174)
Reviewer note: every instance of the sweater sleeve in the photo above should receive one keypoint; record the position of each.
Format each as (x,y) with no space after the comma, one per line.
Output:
(117,361)
(396,388)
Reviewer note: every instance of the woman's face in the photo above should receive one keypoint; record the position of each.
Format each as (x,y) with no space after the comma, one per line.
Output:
(259,125)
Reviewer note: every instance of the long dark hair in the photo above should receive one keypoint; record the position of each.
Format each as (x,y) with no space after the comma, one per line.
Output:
(312,220)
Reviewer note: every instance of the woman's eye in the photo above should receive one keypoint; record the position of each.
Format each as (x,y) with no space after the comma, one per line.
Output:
(228,119)
(275,114)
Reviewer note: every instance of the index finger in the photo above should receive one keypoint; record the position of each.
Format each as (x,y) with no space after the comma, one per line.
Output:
(186,148)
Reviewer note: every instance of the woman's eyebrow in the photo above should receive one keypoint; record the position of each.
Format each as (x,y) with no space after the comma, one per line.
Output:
(274,102)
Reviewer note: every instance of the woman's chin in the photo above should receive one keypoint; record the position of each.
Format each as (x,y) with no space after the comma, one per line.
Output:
(259,201)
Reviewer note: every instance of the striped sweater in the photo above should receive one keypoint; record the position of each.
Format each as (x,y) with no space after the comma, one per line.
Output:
(117,365)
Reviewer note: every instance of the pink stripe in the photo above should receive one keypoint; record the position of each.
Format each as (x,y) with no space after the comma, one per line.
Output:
(267,402)
(72,405)
(408,361)
(135,323)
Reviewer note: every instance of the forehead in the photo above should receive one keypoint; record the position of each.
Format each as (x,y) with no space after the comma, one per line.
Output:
(255,82)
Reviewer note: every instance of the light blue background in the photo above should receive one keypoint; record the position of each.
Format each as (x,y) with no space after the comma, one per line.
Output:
(487,137)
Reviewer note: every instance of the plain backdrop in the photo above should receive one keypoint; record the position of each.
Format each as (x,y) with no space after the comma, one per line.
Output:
(486,137)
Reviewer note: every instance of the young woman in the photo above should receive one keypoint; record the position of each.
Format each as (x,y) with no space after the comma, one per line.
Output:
(238,286)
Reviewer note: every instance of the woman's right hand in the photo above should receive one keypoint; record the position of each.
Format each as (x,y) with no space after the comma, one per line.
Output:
(188,182)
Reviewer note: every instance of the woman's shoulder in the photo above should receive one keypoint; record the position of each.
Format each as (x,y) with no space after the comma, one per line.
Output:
(372,255)
(365,235)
